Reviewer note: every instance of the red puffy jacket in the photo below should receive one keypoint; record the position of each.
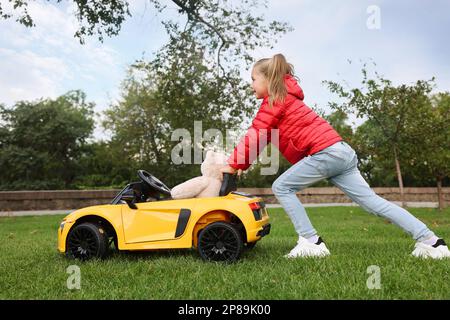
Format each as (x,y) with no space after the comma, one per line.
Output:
(301,131)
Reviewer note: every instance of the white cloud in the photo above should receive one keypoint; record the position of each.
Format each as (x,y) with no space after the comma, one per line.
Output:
(47,60)
(26,75)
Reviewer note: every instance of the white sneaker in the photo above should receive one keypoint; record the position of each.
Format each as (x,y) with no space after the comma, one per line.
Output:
(304,248)
(437,251)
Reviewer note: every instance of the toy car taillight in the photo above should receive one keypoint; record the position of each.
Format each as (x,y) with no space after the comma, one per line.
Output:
(256,208)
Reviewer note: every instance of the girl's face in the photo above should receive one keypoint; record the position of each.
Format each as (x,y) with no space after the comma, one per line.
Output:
(260,84)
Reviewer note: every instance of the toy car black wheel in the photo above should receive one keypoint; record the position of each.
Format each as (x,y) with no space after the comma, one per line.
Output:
(220,241)
(86,241)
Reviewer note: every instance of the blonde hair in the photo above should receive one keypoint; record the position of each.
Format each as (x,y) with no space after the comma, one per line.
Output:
(274,69)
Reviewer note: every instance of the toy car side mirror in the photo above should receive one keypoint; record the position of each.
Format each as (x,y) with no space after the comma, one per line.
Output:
(228,184)
(129,197)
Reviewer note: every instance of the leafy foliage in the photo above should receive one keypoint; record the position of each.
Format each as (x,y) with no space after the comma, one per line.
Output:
(41,141)
(391,112)
(100,17)
(194,77)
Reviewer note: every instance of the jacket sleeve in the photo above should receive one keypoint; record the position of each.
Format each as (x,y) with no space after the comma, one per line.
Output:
(257,136)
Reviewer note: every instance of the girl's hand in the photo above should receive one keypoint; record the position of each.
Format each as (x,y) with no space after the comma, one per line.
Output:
(229,169)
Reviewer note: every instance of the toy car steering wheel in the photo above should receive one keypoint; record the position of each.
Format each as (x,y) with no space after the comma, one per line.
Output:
(153,182)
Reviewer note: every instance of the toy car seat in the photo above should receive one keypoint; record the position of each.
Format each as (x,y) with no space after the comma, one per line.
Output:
(228,184)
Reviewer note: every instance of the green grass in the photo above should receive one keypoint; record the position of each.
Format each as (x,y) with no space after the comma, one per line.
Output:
(31,268)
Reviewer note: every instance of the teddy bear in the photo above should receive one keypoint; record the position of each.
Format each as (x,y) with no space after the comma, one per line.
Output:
(206,185)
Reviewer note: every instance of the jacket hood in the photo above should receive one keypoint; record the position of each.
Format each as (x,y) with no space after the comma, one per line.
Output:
(293,87)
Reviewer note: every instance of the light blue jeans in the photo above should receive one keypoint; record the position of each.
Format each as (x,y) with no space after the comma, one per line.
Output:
(338,163)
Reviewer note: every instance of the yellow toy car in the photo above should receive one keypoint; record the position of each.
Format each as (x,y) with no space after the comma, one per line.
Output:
(143,216)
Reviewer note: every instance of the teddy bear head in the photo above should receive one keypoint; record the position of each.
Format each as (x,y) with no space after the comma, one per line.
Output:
(212,164)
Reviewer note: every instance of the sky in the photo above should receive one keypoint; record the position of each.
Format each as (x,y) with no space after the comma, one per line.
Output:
(408,41)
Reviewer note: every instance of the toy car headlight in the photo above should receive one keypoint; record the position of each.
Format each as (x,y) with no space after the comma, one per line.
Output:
(61,226)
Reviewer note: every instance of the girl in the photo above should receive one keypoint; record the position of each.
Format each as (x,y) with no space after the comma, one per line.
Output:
(317,152)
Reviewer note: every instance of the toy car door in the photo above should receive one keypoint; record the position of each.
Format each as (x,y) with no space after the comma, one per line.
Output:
(156,221)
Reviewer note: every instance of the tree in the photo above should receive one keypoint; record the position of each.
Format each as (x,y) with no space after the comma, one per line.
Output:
(338,120)
(173,92)
(103,165)
(194,77)
(429,137)
(389,107)
(374,155)
(42,140)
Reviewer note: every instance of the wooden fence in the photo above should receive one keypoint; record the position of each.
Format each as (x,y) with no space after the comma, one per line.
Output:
(72,199)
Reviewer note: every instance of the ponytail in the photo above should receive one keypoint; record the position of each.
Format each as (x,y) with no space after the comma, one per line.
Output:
(274,69)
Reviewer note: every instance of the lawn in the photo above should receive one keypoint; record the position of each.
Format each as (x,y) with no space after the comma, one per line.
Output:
(31,268)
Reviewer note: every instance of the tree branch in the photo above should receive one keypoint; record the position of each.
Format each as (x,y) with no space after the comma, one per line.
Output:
(191,12)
